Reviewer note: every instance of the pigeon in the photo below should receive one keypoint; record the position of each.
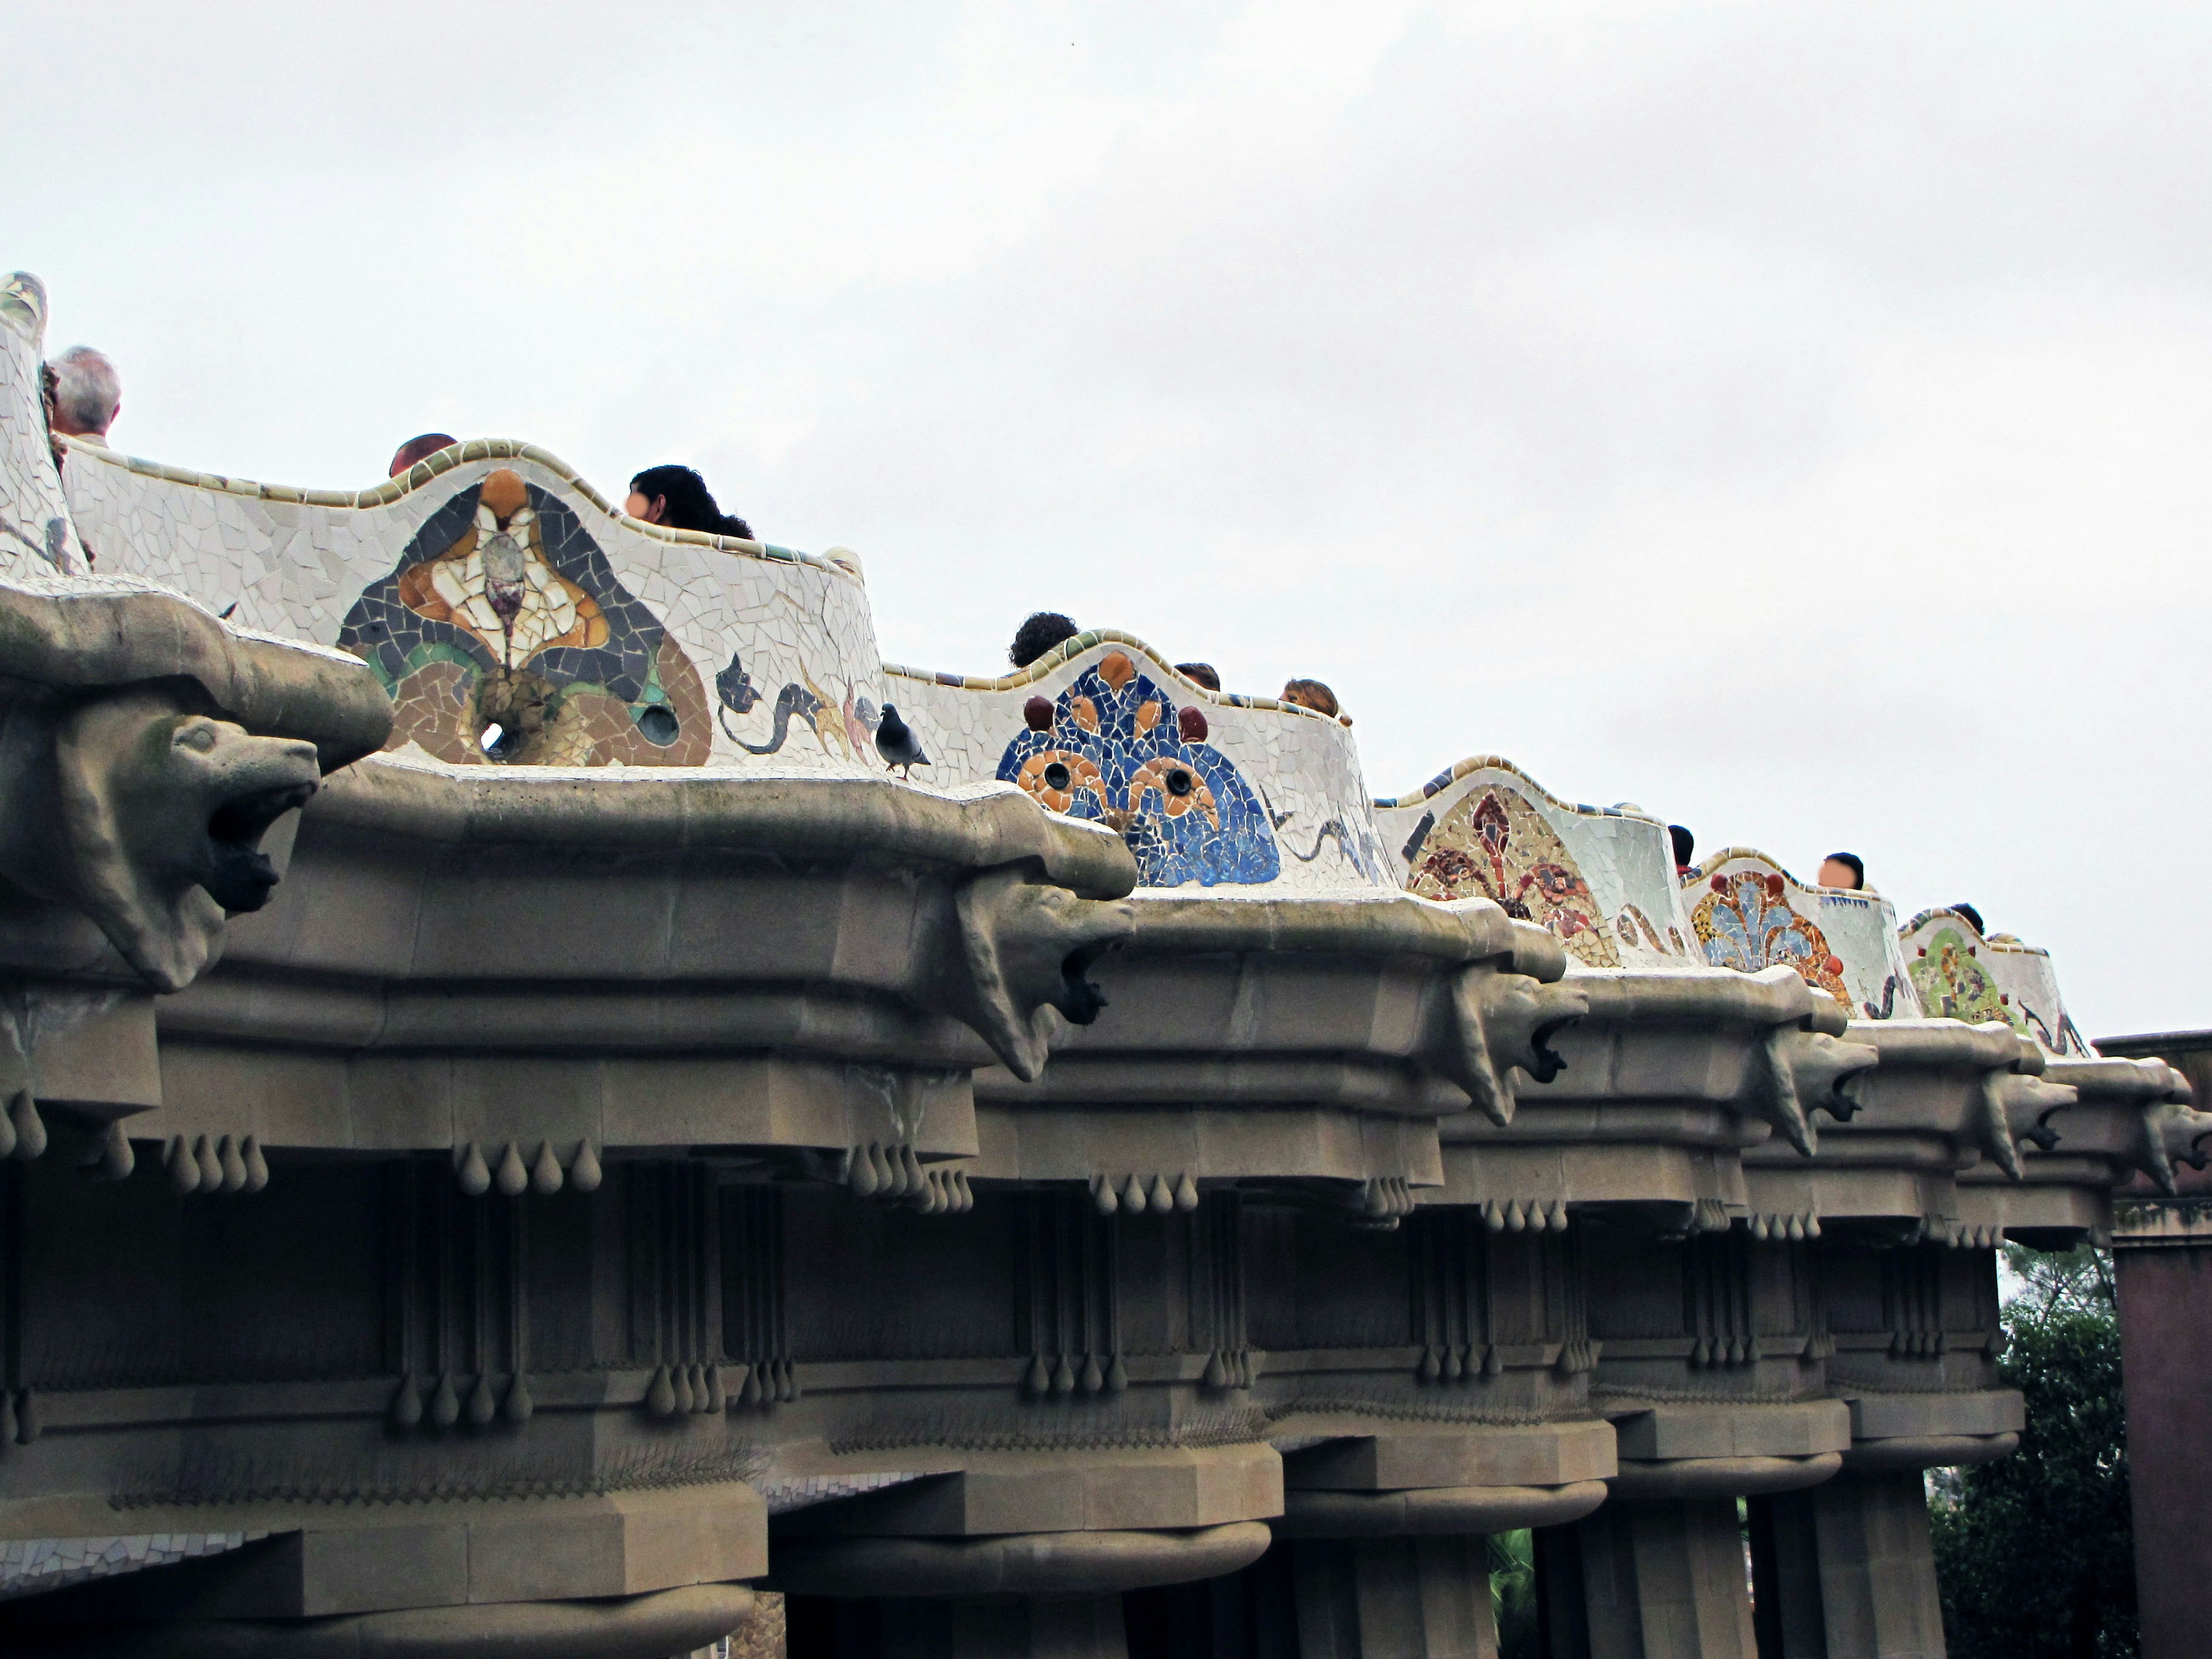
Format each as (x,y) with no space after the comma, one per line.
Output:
(896,742)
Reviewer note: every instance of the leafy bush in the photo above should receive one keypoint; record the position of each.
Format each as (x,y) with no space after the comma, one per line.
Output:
(2035,1552)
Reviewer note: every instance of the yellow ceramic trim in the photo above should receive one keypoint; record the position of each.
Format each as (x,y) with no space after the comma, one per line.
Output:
(1705,871)
(426,470)
(2002,943)
(1090,638)
(1459,770)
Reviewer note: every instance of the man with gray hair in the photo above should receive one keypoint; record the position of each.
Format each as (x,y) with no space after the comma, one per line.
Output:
(89,394)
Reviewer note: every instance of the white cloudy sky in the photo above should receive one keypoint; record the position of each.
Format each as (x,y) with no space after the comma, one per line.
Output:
(1792,418)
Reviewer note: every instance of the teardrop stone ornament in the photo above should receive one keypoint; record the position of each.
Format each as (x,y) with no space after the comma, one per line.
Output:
(1186,1193)
(184,1168)
(1132,1196)
(519,1407)
(483,1404)
(1162,1194)
(445,1402)
(30,1128)
(584,1173)
(406,1403)
(545,1175)
(513,1176)
(256,1167)
(117,1160)
(680,1391)
(475,1173)
(233,1166)
(210,1163)
(1103,1194)
(861,1173)
(660,1394)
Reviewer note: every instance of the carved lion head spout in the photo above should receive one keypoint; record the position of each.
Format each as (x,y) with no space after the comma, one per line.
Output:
(1501,1021)
(162,811)
(1028,947)
(1806,1072)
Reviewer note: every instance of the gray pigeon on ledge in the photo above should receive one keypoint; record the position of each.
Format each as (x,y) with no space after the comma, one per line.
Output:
(896,742)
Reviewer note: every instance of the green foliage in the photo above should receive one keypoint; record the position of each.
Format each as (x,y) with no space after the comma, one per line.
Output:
(2035,1552)
(1513,1593)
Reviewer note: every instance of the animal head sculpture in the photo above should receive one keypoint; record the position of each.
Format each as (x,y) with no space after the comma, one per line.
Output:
(1501,1020)
(1803,1072)
(1028,947)
(2167,1132)
(158,815)
(2013,1106)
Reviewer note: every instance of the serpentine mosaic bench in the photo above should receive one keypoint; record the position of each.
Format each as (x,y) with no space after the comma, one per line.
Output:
(516,1129)
(1601,877)
(1749,912)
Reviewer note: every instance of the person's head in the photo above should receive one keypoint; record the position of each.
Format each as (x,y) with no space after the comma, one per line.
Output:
(419,449)
(1202,672)
(1685,845)
(88,394)
(1972,915)
(677,497)
(1037,635)
(1842,870)
(1311,694)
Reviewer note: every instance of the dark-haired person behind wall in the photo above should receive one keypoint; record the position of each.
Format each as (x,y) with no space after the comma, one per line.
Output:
(678,497)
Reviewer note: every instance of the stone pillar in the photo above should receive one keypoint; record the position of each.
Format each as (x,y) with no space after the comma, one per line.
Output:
(1660,1579)
(1845,1571)
(2162,1253)
(1394,1598)
(1005,1627)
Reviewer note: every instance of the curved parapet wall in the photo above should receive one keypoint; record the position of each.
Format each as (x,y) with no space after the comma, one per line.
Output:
(1747,913)
(1963,974)
(491,588)
(1602,879)
(1210,790)
(35,536)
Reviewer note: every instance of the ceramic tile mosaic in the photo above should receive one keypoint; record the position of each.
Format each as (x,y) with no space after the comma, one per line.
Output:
(490,587)
(1749,913)
(799,1491)
(31,1566)
(1211,791)
(1600,877)
(35,532)
(1960,973)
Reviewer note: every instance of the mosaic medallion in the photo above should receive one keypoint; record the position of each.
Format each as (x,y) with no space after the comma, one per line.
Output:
(1495,845)
(503,635)
(1953,985)
(1745,923)
(1116,750)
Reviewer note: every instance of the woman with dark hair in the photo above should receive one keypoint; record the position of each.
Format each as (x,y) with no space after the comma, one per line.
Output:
(678,497)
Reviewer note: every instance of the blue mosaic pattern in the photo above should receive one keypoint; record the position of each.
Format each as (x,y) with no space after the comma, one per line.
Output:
(1115,755)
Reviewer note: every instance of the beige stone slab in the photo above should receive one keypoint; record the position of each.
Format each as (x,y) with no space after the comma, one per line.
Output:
(1025,1492)
(1987,1410)
(1804,1429)
(1543,1455)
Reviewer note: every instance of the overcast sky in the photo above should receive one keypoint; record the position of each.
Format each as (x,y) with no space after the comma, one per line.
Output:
(1790,418)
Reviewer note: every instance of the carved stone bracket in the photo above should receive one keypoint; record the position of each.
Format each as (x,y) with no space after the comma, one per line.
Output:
(1027,947)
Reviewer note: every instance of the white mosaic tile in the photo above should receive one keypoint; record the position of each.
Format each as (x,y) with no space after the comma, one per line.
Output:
(1749,913)
(32,1566)
(1602,879)
(1961,973)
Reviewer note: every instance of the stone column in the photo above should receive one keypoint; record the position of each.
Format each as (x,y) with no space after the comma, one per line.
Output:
(1650,1579)
(1394,1598)
(1005,1627)
(1850,1571)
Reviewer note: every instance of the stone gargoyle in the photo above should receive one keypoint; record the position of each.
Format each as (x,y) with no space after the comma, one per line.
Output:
(146,751)
(2017,1104)
(1803,1069)
(2167,1132)
(1027,947)
(1504,1014)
